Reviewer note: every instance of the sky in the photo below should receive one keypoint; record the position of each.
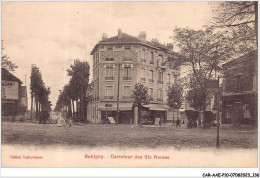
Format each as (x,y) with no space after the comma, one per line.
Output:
(52,34)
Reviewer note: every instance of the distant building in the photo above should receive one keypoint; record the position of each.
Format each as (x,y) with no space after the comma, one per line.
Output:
(150,63)
(14,95)
(239,100)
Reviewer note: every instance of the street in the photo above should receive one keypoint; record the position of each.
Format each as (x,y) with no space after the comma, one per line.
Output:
(122,136)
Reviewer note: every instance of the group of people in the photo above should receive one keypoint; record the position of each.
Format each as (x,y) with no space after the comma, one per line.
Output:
(61,122)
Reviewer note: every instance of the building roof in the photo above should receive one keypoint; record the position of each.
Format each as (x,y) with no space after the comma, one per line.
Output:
(6,75)
(129,39)
(251,56)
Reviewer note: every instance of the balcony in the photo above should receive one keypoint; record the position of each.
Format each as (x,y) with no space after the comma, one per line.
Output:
(143,60)
(159,82)
(109,78)
(160,99)
(150,80)
(127,78)
(127,97)
(109,97)
(142,79)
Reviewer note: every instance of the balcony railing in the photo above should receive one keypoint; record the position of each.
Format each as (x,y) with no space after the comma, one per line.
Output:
(108,97)
(142,79)
(160,99)
(150,80)
(127,78)
(159,82)
(109,78)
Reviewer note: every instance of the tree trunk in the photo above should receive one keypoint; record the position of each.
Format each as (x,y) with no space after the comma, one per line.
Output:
(256,21)
(173,115)
(69,110)
(139,115)
(73,110)
(31,116)
(36,114)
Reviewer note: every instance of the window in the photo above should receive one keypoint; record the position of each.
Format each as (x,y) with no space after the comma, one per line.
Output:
(109,92)
(97,56)
(160,77)
(151,76)
(143,73)
(175,79)
(160,95)
(109,72)
(151,94)
(127,92)
(143,54)
(127,54)
(169,78)
(127,72)
(238,81)
(152,58)
(110,56)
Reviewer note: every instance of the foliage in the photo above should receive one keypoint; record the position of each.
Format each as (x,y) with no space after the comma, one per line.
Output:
(140,94)
(192,117)
(175,96)
(240,20)
(39,90)
(75,89)
(7,64)
(79,73)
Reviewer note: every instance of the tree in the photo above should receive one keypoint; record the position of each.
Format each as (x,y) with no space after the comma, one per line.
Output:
(7,64)
(203,52)
(39,92)
(79,73)
(240,20)
(175,97)
(140,96)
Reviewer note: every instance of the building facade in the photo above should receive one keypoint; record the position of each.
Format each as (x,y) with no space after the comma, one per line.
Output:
(239,100)
(13,95)
(123,61)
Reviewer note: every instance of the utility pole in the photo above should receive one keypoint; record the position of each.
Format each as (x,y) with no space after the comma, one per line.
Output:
(118,83)
(218,93)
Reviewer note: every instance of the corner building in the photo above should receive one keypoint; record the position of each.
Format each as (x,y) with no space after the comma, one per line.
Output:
(127,60)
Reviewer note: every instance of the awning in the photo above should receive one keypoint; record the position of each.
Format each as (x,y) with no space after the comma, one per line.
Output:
(157,107)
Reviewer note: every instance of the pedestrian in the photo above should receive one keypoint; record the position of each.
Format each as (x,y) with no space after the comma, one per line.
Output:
(178,123)
(70,122)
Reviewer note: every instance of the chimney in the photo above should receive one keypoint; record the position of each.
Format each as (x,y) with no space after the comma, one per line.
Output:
(142,36)
(155,41)
(170,46)
(104,36)
(119,33)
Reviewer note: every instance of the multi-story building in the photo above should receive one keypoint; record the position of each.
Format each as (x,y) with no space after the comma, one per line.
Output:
(125,60)
(239,100)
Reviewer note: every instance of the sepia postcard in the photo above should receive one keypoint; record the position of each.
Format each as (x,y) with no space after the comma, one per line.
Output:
(129,84)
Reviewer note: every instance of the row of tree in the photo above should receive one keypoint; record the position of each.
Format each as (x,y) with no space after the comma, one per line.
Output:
(39,95)
(72,100)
